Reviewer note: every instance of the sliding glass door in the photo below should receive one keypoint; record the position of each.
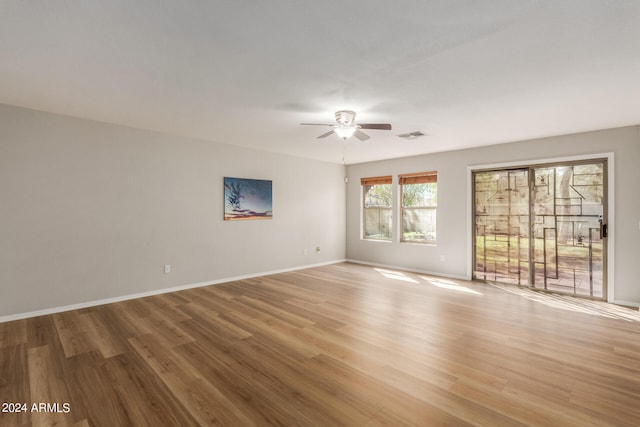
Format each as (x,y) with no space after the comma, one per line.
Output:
(502,226)
(542,226)
(568,228)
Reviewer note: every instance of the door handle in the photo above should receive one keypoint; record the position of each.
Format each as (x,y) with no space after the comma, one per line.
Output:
(603,229)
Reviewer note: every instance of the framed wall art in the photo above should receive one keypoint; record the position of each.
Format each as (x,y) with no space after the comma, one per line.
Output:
(247,199)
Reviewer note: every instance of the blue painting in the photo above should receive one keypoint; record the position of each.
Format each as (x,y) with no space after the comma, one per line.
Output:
(246,199)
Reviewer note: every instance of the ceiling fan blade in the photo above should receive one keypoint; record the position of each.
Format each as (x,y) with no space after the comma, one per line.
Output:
(411,135)
(324,135)
(317,124)
(379,126)
(361,135)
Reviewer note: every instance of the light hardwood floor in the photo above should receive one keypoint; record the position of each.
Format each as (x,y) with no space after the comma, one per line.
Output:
(343,344)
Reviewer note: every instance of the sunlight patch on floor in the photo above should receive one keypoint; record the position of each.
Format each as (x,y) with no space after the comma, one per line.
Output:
(448,284)
(395,275)
(435,281)
(570,303)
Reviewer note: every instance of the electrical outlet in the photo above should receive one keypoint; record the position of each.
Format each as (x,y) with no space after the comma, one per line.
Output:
(317,249)
(167,269)
(442,258)
(305,251)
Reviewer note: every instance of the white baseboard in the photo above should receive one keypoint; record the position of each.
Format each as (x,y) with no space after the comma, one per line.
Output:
(94,303)
(625,303)
(411,270)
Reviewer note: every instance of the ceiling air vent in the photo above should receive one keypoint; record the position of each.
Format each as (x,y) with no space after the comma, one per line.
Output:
(411,135)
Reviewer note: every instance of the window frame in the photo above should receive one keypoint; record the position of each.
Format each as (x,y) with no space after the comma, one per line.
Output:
(371,181)
(430,177)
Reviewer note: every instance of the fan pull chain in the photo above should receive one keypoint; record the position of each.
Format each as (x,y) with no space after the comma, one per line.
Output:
(344,149)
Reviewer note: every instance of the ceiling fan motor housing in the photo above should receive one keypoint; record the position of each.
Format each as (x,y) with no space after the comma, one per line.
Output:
(345,117)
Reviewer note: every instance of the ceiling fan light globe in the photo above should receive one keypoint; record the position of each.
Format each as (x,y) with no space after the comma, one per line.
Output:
(345,132)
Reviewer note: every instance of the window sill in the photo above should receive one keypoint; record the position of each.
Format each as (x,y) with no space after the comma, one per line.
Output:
(376,240)
(408,242)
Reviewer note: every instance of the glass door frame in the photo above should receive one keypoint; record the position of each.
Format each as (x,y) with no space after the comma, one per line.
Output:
(607,205)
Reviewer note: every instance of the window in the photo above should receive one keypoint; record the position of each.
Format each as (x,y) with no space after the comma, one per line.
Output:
(419,193)
(376,201)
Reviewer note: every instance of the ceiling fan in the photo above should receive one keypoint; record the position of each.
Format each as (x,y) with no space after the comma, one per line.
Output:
(346,127)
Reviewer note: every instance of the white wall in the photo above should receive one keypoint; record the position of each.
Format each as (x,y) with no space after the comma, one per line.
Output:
(453,196)
(91,211)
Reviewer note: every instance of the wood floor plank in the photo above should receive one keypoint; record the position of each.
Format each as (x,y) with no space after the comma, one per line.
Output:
(41,331)
(274,311)
(46,388)
(323,391)
(94,397)
(152,322)
(215,324)
(13,333)
(410,406)
(163,307)
(139,390)
(340,344)
(14,383)
(253,398)
(101,336)
(248,362)
(73,337)
(204,401)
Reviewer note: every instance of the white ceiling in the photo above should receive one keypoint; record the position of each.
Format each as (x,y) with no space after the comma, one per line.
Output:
(246,72)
